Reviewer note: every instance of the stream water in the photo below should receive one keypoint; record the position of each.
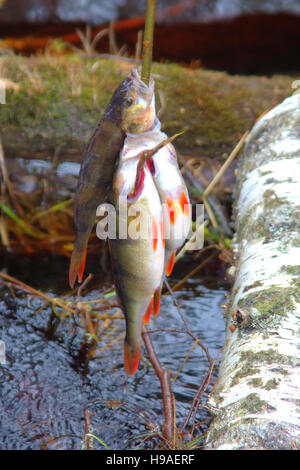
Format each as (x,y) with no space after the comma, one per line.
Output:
(46,387)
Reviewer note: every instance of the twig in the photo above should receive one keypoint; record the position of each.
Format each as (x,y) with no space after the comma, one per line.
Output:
(138,47)
(210,212)
(201,390)
(190,241)
(57,207)
(148,41)
(185,359)
(212,200)
(222,170)
(168,398)
(189,331)
(8,183)
(83,285)
(113,48)
(143,156)
(20,222)
(196,269)
(87,422)
(21,284)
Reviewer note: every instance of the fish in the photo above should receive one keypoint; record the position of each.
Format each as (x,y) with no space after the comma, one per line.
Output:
(172,190)
(138,263)
(173,193)
(130,110)
(174,198)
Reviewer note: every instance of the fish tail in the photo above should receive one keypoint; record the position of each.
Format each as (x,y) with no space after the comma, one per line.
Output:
(149,311)
(170,264)
(131,357)
(156,298)
(77,265)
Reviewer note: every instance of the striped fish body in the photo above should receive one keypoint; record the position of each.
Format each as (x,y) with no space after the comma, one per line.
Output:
(131,109)
(172,191)
(138,262)
(175,201)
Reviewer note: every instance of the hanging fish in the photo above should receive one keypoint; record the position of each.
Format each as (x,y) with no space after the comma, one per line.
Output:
(173,194)
(129,110)
(172,190)
(138,263)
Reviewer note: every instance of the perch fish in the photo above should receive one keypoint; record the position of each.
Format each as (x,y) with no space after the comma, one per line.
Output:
(138,258)
(173,194)
(128,111)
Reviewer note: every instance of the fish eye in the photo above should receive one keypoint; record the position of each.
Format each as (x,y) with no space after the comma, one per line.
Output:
(129,101)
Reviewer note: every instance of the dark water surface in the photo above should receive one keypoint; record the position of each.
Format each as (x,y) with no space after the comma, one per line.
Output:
(46,387)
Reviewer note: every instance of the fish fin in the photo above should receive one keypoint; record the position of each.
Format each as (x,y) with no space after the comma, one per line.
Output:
(162,228)
(154,234)
(149,311)
(170,264)
(131,358)
(174,207)
(171,210)
(77,266)
(184,203)
(156,298)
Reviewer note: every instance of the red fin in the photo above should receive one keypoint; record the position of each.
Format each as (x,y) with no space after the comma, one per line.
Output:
(131,359)
(77,266)
(184,203)
(148,312)
(172,210)
(170,265)
(154,234)
(156,301)
(162,228)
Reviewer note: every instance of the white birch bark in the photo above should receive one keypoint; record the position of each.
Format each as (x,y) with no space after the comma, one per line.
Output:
(258,392)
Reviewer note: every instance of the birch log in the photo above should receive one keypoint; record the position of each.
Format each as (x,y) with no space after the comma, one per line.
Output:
(257,397)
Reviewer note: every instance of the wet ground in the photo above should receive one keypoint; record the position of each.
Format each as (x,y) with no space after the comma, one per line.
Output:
(46,385)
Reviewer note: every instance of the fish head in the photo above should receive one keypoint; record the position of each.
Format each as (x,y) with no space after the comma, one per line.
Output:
(138,108)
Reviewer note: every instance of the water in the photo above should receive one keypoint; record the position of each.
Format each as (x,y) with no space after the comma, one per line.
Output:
(46,384)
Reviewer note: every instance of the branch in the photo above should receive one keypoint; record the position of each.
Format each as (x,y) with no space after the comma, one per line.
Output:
(168,397)
(143,156)
(148,41)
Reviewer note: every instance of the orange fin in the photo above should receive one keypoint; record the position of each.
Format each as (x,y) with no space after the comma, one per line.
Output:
(154,233)
(77,266)
(148,312)
(162,228)
(184,203)
(131,358)
(156,301)
(170,265)
(171,210)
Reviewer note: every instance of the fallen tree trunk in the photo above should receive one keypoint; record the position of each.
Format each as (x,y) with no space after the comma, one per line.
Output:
(54,101)
(257,395)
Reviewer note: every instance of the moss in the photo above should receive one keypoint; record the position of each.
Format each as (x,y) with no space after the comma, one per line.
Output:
(270,304)
(252,361)
(252,404)
(271,384)
(256,382)
(61,98)
(275,304)
(267,356)
(292,270)
(252,286)
(280,370)
(245,371)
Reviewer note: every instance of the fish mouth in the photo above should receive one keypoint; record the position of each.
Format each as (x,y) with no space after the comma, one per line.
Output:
(140,115)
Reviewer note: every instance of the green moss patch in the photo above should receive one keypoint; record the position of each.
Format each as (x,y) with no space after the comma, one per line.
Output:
(61,97)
